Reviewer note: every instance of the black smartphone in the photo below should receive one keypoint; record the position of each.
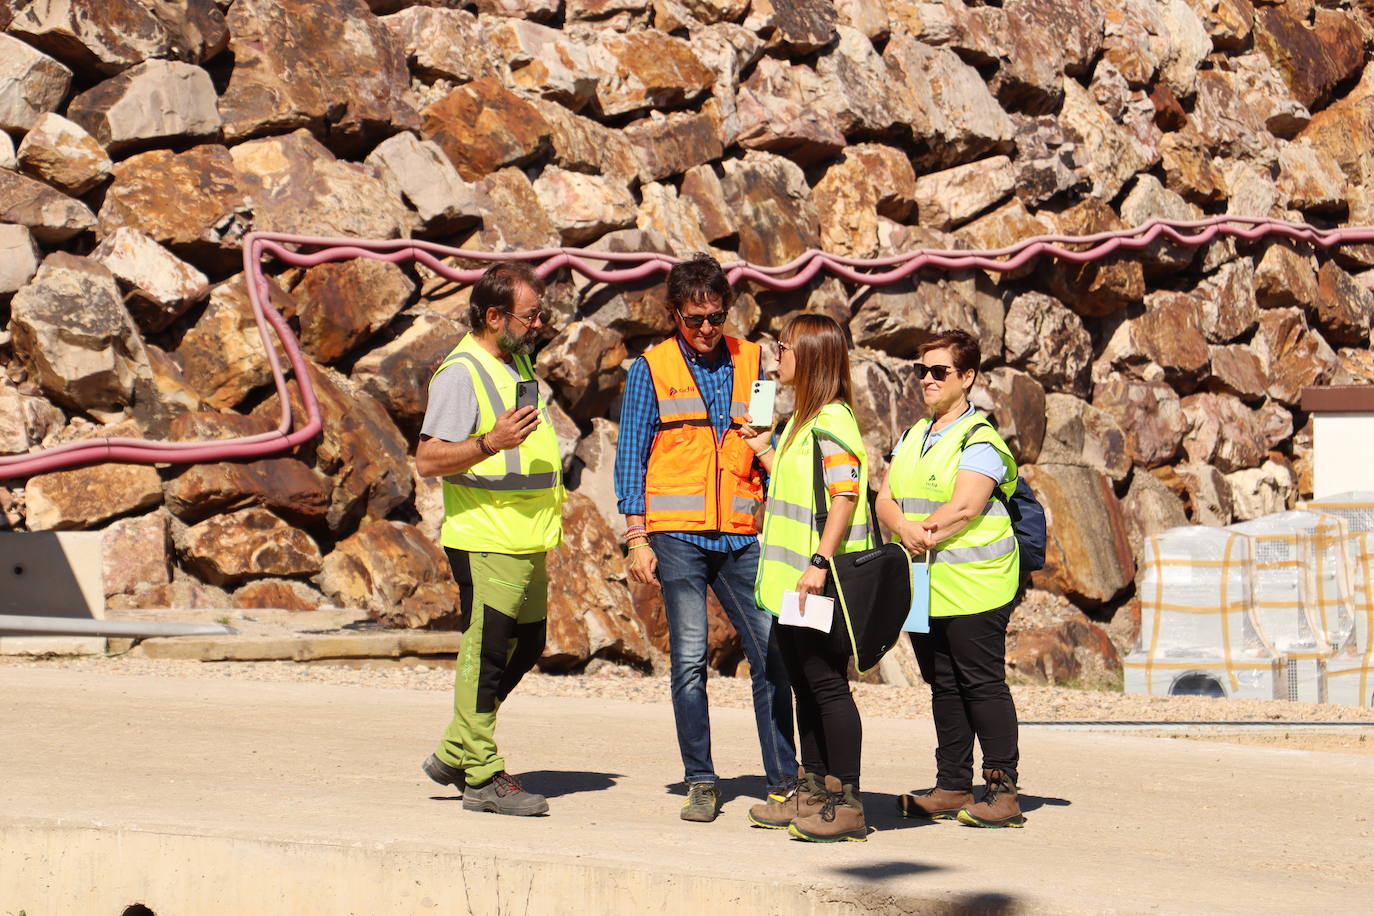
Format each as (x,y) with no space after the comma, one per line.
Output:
(526,394)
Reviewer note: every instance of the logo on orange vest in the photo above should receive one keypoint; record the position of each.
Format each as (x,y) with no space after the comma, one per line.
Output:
(674,392)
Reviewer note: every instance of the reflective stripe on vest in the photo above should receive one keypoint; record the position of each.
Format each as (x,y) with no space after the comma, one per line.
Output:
(694,481)
(789,523)
(510,502)
(977,569)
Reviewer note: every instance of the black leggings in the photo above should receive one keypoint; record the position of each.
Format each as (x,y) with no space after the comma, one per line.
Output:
(829,733)
(963,659)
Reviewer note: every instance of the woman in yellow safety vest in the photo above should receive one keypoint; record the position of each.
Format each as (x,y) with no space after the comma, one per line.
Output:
(946,494)
(813,357)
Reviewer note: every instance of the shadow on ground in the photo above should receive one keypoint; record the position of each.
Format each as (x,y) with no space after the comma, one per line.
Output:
(879,871)
(557,783)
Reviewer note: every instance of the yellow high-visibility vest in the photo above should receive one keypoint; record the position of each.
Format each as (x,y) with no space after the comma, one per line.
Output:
(510,502)
(979,568)
(789,536)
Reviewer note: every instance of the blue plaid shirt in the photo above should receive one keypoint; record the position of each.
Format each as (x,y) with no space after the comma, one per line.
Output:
(715,377)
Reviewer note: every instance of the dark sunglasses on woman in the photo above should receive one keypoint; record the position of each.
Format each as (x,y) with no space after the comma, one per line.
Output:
(694,321)
(940,372)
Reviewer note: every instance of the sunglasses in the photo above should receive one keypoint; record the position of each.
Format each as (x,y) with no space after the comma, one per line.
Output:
(543,316)
(695,321)
(940,372)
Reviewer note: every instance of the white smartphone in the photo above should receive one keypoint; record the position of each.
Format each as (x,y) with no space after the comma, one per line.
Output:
(761,398)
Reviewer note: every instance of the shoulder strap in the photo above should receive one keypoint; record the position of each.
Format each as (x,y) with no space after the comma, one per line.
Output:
(973,428)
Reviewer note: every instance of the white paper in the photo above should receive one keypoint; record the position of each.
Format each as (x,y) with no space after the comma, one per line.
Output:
(819,612)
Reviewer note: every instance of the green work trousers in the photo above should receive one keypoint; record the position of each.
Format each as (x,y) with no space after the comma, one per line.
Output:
(504,617)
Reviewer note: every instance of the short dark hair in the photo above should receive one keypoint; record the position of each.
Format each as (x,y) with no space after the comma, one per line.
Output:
(697,279)
(962,345)
(497,288)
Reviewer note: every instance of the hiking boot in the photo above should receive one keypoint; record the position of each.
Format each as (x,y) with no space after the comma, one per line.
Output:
(804,799)
(444,774)
(703,803)
(840,818)
(934,804)
(999,807)
(502,794)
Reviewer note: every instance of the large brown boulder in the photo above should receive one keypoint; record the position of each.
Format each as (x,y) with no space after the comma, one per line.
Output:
(1149,413)
(1098,287)
(866,184)
(360,450)
(590,611)
(512,217)
(31,83)
(1049,641)
(58,152)
(285,485)
(901,317)
(1164,341)
(88,497)
(643,70)
(157,101)
(50,215)
(428,181)
(1045,38)
(398,372)
(779,112)
(1222,432)
(482,126)
(1150,507)
(19,258)
(1314,59)
(341,304)
(945,101)
(583,362)
(669,145)
(1078,434)
(772,206)
(583,145)
(107,37)
(1088,554)
(330,67)
(1295,356)
(251,543)
(395,573)
(583,207)
(136,553)
(442,43)
(298,186)
(1048,341)
(195,202)
(158,286)
(222,357)
(1016,403)
(541,61)
(1230,308)
(1344,309)
(1111,154)
(72,330)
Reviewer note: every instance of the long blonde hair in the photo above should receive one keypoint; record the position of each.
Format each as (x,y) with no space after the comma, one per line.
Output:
(820,352)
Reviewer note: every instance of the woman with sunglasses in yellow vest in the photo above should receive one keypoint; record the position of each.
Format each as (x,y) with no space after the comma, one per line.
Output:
(940,499)
(813,357)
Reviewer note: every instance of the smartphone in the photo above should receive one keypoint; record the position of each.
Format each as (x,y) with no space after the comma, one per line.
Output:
(761,398)
(526,394)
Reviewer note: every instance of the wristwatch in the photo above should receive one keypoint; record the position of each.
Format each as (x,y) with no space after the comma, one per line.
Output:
(819,561)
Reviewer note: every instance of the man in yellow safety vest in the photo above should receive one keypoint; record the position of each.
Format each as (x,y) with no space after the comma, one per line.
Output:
(503,498)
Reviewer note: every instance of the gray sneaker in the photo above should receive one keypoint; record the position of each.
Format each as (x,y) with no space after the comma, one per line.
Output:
(444,774)
(502,795)
(703,803)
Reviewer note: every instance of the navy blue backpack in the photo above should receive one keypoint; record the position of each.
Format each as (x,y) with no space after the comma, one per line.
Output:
(1027,518)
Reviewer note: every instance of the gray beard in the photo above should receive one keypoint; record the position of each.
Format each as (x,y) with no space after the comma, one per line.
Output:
(515,346)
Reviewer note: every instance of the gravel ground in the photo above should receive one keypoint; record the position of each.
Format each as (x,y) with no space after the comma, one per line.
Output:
(612,682)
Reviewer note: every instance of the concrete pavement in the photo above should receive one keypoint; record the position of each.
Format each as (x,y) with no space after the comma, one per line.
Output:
(215,796)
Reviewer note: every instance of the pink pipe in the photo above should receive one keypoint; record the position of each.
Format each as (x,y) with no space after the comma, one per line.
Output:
(795,274)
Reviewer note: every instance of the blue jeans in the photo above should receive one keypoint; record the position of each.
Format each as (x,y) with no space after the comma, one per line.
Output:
(685,570)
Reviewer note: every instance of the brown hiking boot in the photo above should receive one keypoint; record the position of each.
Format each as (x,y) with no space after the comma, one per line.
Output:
(805,799)
(840,818)
(935,804)
(999,807)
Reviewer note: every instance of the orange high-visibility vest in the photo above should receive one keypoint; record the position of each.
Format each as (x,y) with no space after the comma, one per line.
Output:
(694,482)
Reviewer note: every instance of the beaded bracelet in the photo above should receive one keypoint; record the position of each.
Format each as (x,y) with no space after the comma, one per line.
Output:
(487,449)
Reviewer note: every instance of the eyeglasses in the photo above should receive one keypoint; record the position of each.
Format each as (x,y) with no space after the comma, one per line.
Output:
(940,372)
(782,347)
(695,321)
(543,316)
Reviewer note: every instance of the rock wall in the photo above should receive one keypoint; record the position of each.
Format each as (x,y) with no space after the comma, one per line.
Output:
(139,142)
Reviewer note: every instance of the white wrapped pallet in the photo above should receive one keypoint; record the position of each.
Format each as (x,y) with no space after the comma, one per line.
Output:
(1197,632)
(1350,670)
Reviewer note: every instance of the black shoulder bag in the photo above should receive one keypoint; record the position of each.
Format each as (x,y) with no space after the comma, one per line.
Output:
(872,587)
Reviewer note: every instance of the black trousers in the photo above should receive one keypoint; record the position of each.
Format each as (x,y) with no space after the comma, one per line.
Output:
(829,732)
(963,659)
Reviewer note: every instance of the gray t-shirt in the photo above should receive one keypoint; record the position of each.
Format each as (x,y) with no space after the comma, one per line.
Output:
(451,414)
